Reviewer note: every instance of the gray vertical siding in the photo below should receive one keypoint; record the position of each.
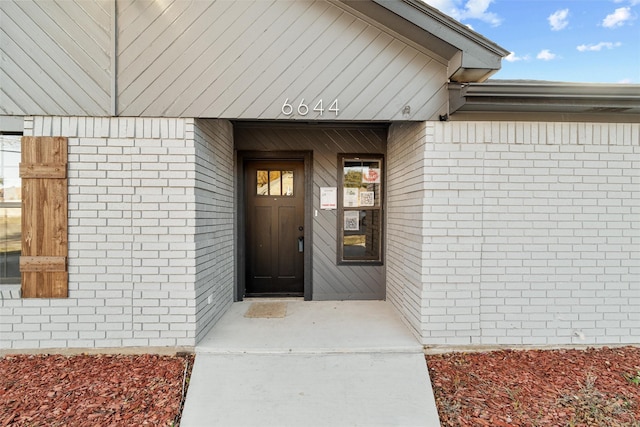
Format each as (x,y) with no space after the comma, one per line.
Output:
(55,57)
(211,59)
(330,281)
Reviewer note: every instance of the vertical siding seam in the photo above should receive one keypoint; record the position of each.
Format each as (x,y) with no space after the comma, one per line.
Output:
(114,58)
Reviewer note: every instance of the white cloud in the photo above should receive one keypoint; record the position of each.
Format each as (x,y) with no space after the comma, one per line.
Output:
(442,5)
(597,47)
(617,18)
(558,19)
(626,81)
(546,55)
(472,9)
(512,57)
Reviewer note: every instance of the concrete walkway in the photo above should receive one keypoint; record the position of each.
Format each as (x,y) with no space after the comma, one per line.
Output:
(315,364)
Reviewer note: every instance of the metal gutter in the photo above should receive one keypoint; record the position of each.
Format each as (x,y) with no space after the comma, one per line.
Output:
(541,89)
(544,97)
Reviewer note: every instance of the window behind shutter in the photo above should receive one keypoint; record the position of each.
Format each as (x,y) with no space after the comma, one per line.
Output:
(43,264)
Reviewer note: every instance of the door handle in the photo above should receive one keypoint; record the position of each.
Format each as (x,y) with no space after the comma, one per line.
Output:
(300,244)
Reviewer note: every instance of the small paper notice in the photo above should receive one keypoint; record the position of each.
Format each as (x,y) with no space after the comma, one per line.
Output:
(371,176)
(366,198)
(351,221)
(328,198)
(351,197)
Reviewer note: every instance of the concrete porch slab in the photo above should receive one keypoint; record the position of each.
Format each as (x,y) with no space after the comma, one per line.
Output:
(324,364)
(310,327)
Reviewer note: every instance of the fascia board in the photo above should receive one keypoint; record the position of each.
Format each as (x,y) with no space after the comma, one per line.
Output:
(373,12)
(471,57)
(444,27)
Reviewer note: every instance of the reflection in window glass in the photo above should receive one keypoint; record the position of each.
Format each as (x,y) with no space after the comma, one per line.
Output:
(274,183)
(361,183)
(287,183)
(361,235)
(10,209)
(263,183)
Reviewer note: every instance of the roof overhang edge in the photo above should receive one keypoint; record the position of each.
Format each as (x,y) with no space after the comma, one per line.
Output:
(471,56)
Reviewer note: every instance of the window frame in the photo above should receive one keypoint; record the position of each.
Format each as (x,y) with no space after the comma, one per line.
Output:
(341,209)
(16,204)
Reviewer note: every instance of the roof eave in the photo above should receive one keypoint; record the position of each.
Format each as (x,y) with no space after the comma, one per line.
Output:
(449,25)
(471,56)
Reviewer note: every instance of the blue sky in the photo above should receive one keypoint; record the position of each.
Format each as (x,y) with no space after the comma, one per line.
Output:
(558,40)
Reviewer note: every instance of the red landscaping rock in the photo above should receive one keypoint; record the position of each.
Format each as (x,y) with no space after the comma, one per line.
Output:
(593,387)
(105,390)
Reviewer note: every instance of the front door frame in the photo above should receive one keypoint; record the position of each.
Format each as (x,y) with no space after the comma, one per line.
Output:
(243,156)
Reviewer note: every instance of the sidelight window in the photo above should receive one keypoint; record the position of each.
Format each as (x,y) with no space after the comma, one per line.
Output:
(360,203)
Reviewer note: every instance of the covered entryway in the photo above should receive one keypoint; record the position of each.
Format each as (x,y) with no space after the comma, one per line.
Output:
(274,224)
(289,243)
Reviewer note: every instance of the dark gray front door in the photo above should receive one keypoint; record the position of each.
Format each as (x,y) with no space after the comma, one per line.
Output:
(274,224)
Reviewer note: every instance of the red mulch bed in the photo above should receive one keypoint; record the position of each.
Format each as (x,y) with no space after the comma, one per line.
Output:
(593,387)
(84,390)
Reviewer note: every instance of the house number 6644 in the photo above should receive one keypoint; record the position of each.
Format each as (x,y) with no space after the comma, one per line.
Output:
(303,109)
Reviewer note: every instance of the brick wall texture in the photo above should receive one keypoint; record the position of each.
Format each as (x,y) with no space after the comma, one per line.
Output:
(510,233)
(142,225)
(515,232)
(215,230)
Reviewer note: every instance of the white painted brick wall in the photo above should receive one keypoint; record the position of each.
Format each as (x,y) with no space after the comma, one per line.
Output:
(132,222)
(215,231)
(530,232)
(498,233)
(406,200)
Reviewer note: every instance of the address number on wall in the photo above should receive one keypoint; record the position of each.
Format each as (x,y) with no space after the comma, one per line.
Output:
(302,108)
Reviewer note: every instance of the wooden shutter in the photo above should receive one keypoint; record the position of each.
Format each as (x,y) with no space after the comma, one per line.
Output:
(43,264)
